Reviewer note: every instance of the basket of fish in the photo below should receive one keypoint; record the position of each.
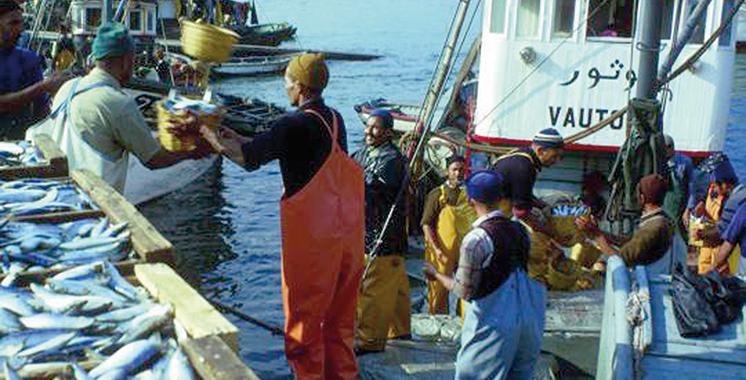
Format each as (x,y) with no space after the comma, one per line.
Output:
(91,322)
(176,109)
(40,158)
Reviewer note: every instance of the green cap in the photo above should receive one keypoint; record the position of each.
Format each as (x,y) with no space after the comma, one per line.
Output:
(112,40)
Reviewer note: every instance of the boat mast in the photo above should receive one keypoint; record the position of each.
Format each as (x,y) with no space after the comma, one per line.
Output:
(444,65)
(649,46)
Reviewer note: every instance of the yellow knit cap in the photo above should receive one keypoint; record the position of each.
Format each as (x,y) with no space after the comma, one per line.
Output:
(309,69)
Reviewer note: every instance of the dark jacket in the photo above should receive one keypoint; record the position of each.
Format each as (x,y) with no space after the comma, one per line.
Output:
(300,141)
(385,171)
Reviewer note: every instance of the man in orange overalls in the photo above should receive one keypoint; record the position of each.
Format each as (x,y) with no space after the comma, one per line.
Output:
(323,222)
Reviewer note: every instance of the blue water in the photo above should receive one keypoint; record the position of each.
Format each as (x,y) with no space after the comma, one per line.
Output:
(226,227)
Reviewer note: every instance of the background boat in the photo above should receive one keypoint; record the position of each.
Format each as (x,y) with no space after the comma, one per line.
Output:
(269,34)
(252,65)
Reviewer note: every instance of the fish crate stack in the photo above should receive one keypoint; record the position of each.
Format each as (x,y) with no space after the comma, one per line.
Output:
(103,322)
(38,158)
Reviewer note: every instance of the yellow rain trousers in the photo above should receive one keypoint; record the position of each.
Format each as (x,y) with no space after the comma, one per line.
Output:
(383,304)
(453,224)
(714,207)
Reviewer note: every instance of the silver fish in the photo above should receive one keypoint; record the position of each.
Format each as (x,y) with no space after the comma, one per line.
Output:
(53,321)
(127,358)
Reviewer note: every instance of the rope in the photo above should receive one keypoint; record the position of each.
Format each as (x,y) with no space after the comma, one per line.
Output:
(228,309)
(636,316)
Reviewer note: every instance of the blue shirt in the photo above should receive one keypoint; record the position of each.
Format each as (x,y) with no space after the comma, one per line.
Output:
(736,231)
(19,68)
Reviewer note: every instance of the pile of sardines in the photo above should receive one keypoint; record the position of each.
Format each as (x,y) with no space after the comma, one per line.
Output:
(36,246)
(89,323)
(33,196)
(19,153)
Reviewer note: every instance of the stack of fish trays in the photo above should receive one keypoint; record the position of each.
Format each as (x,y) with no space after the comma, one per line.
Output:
(38,158)
(49,224)
(95,322)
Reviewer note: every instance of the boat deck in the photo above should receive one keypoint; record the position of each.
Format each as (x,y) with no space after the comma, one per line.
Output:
(721,356)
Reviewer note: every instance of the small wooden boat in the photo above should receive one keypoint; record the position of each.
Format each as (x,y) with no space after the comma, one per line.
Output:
(405,115)
(252,65)
(269,34)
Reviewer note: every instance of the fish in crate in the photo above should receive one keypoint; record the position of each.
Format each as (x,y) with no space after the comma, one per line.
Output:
(89,322)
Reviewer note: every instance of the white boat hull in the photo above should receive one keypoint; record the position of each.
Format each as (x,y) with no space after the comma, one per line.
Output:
(144,185)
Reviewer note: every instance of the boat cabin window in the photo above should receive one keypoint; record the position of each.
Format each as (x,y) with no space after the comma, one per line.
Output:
(151,20)
(499,12)
(725,38)
(564,18)
(92,18)
(529,12)
(135,20)
(610,18)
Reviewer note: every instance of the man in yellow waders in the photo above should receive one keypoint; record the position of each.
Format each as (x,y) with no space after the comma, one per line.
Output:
(447,217)
(383,306)
(706,234)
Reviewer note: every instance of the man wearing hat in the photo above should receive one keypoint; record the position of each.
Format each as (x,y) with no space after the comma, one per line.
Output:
(716,212)
(520,169)
(96,124)
(23,89)
(383,307)
(504,313)
(323,221)
(653,236)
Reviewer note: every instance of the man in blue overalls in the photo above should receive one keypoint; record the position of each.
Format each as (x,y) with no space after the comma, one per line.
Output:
(504,314)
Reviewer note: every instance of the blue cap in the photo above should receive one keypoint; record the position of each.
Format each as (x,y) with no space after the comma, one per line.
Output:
(724,173)
(549,138)
(388,120)
(486,186)
(112,40)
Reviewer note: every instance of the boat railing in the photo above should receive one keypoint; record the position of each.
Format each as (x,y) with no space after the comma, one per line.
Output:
(626,329)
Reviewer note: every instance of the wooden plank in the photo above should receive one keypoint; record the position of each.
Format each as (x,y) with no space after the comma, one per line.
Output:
(146,240)
(214,360)
(194,312)
(58,217)
(55,165)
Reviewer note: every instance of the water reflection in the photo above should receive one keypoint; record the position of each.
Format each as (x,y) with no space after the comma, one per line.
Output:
(191,219)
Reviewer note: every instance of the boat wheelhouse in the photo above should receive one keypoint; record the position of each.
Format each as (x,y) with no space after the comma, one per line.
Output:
(140,17)
(569,64)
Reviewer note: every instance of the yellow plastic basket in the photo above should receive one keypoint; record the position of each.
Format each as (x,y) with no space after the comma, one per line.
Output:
(184,143)
(207,42)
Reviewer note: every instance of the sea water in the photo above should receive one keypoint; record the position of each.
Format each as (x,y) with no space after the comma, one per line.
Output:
(226,226)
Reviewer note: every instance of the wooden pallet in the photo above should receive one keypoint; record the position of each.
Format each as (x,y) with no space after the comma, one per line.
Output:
(55,165)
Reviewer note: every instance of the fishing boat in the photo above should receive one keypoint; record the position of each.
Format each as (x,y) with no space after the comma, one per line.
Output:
(252,65)
(574,66)
(269,34)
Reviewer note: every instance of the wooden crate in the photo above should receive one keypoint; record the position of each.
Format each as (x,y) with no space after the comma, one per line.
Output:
(146,240)
(194,312)
(55,165)
(212,344)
